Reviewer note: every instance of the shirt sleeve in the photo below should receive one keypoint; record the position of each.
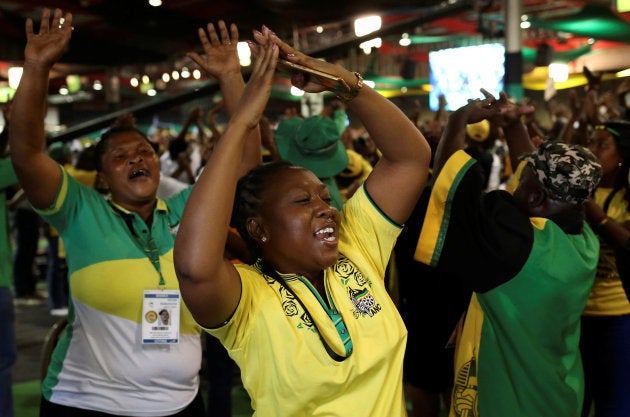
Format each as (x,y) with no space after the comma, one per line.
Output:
(483,239)
(7,175)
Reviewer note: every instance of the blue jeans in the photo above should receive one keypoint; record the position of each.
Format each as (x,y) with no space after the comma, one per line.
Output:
(605,348)
(8,350)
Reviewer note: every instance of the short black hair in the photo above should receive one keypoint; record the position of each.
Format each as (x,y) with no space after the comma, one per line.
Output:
(100,146)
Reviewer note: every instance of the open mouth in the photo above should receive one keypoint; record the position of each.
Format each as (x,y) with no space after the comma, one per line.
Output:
(326,233)
(138,173)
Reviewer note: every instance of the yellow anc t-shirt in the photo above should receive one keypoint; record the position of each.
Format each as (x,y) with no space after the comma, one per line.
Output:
(284,364)
(608,297)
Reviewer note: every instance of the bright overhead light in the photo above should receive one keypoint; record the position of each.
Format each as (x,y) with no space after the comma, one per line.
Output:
(244,54)
(296,91)
(372,43)
(166,77)
(134,82)
(155,3)
(559,72)
(365,25)
(15,74)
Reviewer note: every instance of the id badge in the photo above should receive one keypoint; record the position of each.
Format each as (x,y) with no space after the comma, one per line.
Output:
(160,316)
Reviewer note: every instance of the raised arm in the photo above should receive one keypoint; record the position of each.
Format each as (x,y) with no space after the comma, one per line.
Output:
(499,111)
(39,175)
(402,170)
(209,283)
(220,60)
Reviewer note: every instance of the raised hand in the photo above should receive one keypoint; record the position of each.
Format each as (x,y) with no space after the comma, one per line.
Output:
(478,109)
(511,112)
(256,94)
(301,80)
(220,56)
(45,48)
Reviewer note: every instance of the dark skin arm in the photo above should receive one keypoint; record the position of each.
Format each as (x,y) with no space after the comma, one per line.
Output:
(501,112)
(404,165)
(220,59)
(37,172)
(209,283)
(613,232)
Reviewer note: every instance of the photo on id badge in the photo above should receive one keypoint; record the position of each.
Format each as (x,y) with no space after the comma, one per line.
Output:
(161,317)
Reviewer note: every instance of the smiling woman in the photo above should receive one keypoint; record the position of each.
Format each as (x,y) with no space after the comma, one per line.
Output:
(119,251)
(316,295)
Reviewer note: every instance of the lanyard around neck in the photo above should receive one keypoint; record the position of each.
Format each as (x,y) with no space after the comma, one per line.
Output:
(150,249)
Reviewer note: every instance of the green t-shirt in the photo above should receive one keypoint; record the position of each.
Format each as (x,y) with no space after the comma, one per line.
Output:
(518,354)
(7,179)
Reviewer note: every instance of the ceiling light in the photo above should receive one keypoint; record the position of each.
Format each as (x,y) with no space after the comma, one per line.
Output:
(166,77)
(244,54)
(559,72)
(185,72)
(365,25)
(296,91)
(145,79)
(97,85)
(175,75)
(15,73)
(372,43)
(134,82)
(196,74)
(155,3)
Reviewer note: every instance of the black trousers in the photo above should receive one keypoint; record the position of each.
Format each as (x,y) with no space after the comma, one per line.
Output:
(47,409)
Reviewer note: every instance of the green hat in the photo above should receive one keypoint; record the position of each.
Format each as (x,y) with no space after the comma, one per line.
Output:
(315,145)
(59,151)
(286,130)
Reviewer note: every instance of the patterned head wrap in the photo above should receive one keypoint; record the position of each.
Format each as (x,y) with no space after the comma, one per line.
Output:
(568,173)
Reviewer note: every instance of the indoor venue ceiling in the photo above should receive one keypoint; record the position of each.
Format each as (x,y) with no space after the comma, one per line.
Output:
(123,32)
(129,38)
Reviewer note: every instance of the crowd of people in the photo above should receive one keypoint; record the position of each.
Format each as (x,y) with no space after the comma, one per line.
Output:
(474,264)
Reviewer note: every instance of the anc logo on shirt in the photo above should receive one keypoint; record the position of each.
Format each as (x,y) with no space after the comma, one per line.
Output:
(464,396)
(363,301)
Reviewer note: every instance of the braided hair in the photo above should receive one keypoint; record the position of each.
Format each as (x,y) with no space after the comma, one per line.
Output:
(249,198)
